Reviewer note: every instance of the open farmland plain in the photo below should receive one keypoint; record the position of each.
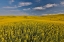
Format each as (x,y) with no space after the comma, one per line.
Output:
(49,28)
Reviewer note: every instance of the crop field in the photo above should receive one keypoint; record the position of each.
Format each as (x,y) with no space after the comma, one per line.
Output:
(48,28)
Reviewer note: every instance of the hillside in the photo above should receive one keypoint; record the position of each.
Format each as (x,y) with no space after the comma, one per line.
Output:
(48,18)
(49,28)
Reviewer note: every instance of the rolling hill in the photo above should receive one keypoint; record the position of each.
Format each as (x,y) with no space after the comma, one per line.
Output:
(49,28)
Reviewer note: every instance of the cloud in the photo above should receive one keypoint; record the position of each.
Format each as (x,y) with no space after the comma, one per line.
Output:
(38,8)
(55,11)
(50,5)
(62,3)
(45,6)
(43,14)
(10,7)
(14,10)
(26,9)
(38,0)
(11,10)
(60,13)
(24,4)
(11,1)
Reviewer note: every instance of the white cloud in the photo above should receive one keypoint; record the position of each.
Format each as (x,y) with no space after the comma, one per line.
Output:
(11,10)
(38,0)
(10,7)
(60,13)
(50,5)
(53,14)
(24,4)
(24,14)
(62,3)
(14,10)
(45,6)
(55,11)
(38,8)
(11,1)
(26,9)
(44,14)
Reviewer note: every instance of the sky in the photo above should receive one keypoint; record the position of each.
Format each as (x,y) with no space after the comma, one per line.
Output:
(31,7)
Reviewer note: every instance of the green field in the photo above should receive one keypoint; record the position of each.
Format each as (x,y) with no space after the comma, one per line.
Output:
(49,28)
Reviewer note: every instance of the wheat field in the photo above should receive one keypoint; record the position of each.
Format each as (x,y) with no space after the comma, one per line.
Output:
(48,28)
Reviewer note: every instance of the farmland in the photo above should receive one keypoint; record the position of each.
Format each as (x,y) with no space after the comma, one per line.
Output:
(49,28)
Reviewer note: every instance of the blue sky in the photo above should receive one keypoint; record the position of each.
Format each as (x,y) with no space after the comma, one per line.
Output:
(31,7)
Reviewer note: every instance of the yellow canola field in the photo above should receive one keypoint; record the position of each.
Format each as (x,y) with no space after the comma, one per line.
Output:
(32,28)
(29,18)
